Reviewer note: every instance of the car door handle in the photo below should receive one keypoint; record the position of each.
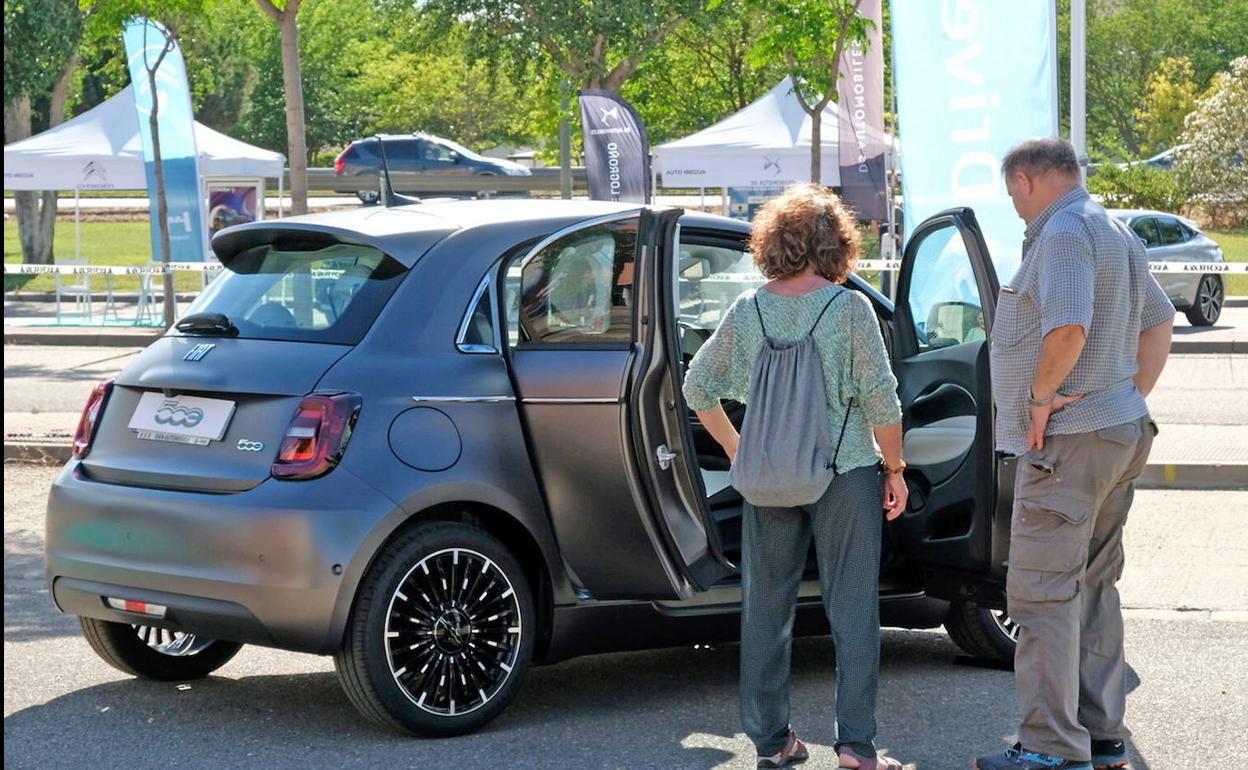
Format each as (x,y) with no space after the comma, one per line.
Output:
(664,456)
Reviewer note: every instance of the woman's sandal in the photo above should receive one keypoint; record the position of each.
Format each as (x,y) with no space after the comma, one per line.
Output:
(877,762)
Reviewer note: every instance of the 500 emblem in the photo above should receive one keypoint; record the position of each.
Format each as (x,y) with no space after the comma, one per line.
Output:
(177,415)
(247,445)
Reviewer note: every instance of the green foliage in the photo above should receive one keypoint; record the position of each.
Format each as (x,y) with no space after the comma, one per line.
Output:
(703,73)
(1214,166)
(1138,186)
(1127,40)
(803,35)
(39,38)
(1168,97)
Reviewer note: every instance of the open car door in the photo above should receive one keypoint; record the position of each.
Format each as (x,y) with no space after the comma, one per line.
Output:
(946,296)
(595,362)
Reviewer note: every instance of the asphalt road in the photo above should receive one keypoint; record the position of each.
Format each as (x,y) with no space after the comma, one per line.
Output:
(1187,637)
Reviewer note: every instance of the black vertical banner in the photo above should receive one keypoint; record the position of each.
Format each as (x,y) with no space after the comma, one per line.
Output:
(617,150)
(860,105)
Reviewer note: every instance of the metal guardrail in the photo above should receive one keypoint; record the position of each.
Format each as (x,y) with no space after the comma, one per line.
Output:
(544,180)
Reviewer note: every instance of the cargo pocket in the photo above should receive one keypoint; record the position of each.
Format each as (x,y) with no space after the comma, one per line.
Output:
(1048,556)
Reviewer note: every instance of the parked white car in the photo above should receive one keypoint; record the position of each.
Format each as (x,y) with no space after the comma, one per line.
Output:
(1171,238)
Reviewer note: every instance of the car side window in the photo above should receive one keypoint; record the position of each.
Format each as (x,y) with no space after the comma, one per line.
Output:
(436,153)
(1171,231)
(401,151)
(577,289)
(1146,228)
(708,279)
(944,292)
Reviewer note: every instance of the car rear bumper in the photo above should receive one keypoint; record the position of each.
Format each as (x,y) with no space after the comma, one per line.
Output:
(264,566)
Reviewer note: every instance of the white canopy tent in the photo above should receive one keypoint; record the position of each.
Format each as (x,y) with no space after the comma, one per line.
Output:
(766,144)
(101,149)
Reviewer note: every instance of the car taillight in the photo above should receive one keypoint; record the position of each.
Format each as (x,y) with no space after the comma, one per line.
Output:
(317,435)
(340,163)
(90,419)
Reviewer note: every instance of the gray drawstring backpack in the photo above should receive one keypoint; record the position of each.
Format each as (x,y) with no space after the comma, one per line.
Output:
(782,458)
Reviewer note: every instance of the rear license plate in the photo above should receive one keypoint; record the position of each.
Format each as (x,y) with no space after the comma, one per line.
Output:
(181,419)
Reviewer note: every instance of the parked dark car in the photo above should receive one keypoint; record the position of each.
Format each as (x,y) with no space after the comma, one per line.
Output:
(1171,238)
(418,152)
(442,442)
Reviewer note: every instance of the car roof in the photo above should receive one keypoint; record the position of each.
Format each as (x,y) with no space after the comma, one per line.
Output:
(407,232)
(1133,213)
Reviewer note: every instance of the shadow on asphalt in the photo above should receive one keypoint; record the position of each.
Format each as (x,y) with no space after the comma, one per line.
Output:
(673,708)
(28,610)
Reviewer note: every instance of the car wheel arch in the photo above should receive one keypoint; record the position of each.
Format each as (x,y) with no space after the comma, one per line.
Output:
(503,525)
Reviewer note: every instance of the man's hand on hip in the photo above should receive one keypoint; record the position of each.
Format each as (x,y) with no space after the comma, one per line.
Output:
(1040,419)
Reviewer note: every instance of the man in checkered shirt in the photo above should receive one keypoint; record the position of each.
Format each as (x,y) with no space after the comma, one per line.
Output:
(1080,337)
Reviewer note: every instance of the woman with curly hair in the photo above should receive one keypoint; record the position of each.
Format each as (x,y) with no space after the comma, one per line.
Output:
(806,243)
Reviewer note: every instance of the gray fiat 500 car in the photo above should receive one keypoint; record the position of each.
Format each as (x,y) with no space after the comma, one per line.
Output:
(443,442)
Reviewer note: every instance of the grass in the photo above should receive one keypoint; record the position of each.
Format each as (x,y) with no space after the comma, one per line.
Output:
(103,243)
(1234,244)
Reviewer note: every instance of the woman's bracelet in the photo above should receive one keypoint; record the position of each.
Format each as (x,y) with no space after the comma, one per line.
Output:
(891,470)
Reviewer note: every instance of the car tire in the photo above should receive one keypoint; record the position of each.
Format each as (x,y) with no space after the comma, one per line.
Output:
(155,653)
(1207,308)
(981,632)
(482,640)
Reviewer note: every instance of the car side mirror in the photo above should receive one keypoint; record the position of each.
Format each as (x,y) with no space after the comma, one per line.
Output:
(456,157)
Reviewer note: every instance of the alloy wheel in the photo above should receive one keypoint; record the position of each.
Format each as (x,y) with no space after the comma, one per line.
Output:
(453,631)
(175,644)
(1210,298)
(1005,624)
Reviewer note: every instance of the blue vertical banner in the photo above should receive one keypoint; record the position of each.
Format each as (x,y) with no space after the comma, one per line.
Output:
(617,150)
(146,42)
(973,78)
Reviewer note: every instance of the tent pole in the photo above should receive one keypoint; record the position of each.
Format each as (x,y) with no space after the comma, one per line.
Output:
(77,228)
(701,198)
(281,201)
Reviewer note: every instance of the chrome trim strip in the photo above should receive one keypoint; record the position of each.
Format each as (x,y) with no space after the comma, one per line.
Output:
(477,348)
(464,399)
(583,224)
(571,400)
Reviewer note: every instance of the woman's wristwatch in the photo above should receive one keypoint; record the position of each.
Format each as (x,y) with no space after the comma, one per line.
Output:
(889,469)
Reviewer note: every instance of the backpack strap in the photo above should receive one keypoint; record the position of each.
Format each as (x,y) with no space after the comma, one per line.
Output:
(825,310)
(835,470)
(759,310)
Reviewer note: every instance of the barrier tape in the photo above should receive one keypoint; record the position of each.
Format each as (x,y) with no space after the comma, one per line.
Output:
(886,265)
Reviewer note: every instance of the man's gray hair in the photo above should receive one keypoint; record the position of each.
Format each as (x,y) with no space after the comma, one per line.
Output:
(1036,157)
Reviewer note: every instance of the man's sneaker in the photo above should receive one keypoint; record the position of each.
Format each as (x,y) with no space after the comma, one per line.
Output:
(1109,755)
(794,751)
(1019,758)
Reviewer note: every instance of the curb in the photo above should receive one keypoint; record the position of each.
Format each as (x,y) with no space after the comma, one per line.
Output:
(83,337)
(37,453)
(1195,476)
(1203,347)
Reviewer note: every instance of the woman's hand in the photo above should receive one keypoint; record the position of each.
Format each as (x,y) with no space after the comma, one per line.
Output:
(895,495)
(716,422)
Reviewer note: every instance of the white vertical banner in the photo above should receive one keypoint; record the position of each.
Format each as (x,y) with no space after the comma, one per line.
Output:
(973,78)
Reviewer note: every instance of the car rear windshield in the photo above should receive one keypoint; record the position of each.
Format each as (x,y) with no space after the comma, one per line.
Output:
(288,291)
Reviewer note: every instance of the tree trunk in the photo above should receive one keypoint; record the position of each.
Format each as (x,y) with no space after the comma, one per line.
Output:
(17,127)
(296,130)
(816,149)
(162,199)
(45,224)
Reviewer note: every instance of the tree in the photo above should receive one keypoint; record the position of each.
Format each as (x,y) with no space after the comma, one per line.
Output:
(702,73)
(151,67)
(40,44)
(1217,131)
(596,43)
(809,36)
(1169,96)
(286,19)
